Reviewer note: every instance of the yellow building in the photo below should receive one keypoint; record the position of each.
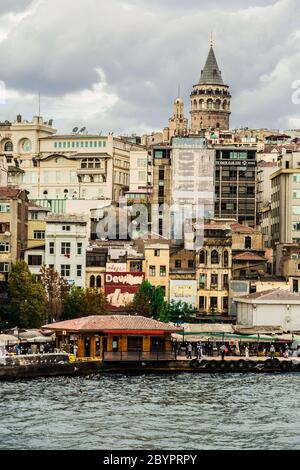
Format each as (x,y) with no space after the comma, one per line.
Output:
(36,225)
(157,264)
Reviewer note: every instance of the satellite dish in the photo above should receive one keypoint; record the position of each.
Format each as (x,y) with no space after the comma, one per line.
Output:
(75,129)
(7,234)
(82,130)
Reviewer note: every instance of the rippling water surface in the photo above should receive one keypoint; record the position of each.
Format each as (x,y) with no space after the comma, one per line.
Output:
(152,412)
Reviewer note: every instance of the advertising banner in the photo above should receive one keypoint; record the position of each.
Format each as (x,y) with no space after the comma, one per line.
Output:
(120,288)
(184,291)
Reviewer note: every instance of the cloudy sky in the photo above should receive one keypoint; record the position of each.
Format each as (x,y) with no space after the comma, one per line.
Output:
(115,65)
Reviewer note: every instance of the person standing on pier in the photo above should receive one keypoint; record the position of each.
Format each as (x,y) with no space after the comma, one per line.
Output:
(189,351)
(199,350)
(272,351)
(223,350)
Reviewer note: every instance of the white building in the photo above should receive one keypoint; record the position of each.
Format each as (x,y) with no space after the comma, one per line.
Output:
(66,243)
(273,307)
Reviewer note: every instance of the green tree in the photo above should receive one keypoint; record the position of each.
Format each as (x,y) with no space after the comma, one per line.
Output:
(56,288)
(84,302)
(27,298)
(180,312)
(148,301)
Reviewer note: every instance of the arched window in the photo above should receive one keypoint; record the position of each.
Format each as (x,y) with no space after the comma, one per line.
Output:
(202,257)
(214,257)
(226,259)
(225,104)
(210,104)
(201,104)
(8,147)
(92,282)
(98,284)
(195,104)
(218,105)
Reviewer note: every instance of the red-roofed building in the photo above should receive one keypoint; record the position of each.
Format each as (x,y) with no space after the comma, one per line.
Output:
(113,335)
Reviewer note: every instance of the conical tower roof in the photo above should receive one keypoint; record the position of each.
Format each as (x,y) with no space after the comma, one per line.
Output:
(211,74)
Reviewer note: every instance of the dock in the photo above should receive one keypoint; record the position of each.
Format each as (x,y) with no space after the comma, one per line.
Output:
(53,365)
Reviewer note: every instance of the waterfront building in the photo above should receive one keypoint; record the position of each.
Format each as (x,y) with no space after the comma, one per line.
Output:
(248,255)
(157,263)
(105,337)
(210,98)
(35,258)
(140,179)
(287,264)
(214,264)
(13,227)
(66,243)
(183,279)
(274,307)
(236,184)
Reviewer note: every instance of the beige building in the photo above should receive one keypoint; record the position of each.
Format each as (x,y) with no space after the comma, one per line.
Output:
(213,264)
(13,227)
(285,200)
(178,124)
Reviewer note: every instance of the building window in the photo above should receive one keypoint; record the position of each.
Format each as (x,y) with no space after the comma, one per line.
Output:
(98,282)
(177,263)
(296,226)
(35,260)
(156,252)
(66,248)
(225,303)
(79,248)
(295,286)
(79,270)
(65,270)
(191,264)
(5,208)
(248,243)
(136,266)
(201,303)
(214,303)
(4,227)
(226,260)
(214,257)
(214,280)
(33,216)
(92,282)
(152,271)
(296,210)
(51,248)
(4,267)
(202,257)
(66,228)
(162,271)
(8,147)
(225,281)
(4,247)
(39,235)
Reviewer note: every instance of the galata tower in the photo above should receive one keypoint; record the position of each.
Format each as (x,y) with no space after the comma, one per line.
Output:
(210,98)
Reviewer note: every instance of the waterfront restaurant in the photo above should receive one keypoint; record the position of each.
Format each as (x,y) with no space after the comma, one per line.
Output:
(113,336)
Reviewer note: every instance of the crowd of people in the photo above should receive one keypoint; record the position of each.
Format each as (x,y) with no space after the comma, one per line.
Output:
(22,349)
(200,349)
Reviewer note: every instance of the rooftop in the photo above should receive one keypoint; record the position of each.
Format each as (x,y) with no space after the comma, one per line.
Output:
(112,322)
(248,256)
(10,193)
(211,74)
(272,295)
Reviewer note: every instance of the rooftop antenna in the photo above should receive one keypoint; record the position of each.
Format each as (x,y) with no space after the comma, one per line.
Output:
(211,40)
(39,104)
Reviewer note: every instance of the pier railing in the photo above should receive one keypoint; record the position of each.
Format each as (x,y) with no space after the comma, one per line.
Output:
(138,356)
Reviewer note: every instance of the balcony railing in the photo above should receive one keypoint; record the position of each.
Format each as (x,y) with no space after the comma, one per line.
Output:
(138,356)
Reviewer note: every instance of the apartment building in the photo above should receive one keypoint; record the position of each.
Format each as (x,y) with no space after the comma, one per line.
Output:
(66,243)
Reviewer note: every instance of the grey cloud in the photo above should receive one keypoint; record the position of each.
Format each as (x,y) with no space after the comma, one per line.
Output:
(8,6)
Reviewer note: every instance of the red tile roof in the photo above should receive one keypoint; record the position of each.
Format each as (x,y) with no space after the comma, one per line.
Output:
(248,256)
(111,322)
(10,193)
(239,228)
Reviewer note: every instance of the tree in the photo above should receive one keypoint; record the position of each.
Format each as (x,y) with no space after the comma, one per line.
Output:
(27,298)
(84,302)
(56,288)
(180,312)
(148,301)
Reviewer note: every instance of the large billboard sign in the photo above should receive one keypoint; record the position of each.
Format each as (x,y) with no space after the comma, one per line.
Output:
(120,288)
(184,291)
